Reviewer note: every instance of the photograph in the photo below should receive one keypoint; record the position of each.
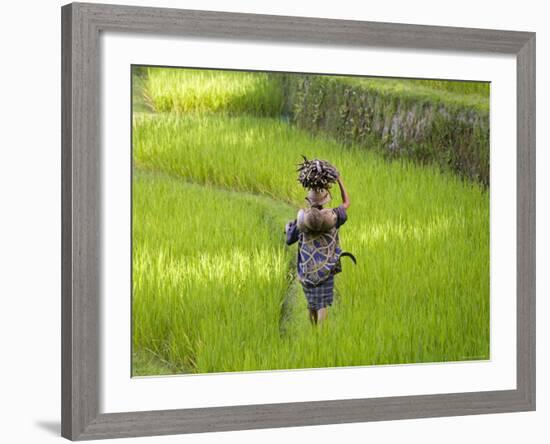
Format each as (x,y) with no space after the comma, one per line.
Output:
(275,222)
(304,221)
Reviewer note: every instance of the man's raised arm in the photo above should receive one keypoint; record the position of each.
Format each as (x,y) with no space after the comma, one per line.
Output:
(345,196)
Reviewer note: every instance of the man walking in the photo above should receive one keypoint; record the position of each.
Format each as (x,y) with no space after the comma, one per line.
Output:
(316,231)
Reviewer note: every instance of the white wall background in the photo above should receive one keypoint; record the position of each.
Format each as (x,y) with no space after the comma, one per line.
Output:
(30,221)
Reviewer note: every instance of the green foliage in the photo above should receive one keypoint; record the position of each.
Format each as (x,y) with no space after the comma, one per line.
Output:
(185,90)
(428,121)
(463,88)
(139,102)
(202,289)
(461,94)
(212,278)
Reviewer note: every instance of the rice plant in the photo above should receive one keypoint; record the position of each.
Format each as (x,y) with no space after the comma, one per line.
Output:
(184,90)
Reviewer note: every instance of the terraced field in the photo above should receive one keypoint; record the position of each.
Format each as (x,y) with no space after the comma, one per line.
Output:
(214,286)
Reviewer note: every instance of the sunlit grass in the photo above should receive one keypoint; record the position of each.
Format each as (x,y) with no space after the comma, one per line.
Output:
(211,269)
(183,90)
(205,261)
(473,95)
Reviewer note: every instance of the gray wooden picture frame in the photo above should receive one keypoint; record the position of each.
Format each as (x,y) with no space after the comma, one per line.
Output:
(81,231)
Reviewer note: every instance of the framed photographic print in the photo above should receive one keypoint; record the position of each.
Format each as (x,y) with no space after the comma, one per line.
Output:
(276,221)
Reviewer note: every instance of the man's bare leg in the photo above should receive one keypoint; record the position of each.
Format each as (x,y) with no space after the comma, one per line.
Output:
(322,314)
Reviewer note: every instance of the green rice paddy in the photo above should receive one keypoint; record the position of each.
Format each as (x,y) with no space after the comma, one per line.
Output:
(214,286)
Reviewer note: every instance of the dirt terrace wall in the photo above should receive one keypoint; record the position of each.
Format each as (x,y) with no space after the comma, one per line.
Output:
(426,130)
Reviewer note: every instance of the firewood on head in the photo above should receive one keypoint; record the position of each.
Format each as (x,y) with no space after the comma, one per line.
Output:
(316,174)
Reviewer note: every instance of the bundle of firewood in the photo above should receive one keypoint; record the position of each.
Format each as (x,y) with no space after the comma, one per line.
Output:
(316,174)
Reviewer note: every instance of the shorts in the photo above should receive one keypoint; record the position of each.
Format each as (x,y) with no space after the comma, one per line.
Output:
(320,295)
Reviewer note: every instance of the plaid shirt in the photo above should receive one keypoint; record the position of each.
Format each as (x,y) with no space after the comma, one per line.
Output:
(318,254)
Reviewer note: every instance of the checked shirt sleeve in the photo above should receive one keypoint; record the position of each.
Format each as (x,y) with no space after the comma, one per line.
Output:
(341,215)
(291,232)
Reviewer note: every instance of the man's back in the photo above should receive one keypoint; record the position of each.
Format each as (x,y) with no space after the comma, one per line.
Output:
(318,252)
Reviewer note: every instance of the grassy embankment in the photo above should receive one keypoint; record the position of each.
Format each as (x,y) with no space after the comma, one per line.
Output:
(426,121)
